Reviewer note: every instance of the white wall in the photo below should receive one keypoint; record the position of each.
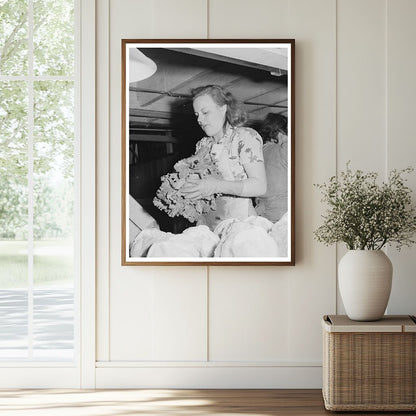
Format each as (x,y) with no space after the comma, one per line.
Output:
(254,326)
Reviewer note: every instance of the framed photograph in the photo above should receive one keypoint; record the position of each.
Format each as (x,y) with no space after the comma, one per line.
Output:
(208,152)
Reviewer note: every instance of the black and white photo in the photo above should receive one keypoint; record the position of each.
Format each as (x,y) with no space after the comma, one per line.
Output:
(208,152)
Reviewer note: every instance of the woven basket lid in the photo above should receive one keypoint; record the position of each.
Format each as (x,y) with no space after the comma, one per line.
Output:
(389,323)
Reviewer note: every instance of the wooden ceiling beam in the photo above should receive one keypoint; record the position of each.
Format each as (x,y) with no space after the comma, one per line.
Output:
(281,87)
(178,86)
(137,112)
(266,105)
(152,138)
(219,54)
(160,92)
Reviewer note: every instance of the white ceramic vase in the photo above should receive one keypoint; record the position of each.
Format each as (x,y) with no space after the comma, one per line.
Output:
(364,278)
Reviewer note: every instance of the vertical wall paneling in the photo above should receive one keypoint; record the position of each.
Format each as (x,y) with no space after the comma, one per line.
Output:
(246,326)
(315,140)
(254,315)
(103,175)
(140,327)
(246,20)
(179,19)
(248,314)
(401,134)
(361,84)
(179,317)
(162,316)
(361,88)
(207,297)
(311,282)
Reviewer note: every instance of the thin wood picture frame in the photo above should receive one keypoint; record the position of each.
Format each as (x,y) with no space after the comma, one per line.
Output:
(208,152)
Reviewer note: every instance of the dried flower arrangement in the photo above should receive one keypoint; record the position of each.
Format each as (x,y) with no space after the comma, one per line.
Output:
(366,215)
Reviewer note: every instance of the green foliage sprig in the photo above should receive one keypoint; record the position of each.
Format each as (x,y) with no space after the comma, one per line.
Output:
(365,215)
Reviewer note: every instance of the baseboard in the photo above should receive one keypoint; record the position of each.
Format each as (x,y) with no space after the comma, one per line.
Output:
(210,377)
(39,378)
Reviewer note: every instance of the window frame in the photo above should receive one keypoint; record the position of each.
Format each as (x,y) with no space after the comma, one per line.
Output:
(81,371)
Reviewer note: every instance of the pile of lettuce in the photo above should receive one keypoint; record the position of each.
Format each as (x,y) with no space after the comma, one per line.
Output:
(169,197)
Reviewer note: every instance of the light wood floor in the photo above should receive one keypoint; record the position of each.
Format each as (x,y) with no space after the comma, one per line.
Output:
(165,402)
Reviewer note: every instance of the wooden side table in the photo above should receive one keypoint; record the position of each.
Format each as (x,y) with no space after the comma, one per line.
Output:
(369,366)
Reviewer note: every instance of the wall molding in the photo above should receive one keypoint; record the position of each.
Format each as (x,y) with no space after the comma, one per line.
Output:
(207,377)
(204,364)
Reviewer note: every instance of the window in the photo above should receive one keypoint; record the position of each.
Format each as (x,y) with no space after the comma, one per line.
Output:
(38,184)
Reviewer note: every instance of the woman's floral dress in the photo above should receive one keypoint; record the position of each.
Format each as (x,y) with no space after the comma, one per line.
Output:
(238,147)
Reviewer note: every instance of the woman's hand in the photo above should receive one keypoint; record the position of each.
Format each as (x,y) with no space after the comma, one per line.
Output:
(254,185)
(200,188)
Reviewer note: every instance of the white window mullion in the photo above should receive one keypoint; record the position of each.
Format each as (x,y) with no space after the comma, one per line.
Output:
(30,79)
(87,193)
(38,369)
(30,179)
(38,78)
(77,188)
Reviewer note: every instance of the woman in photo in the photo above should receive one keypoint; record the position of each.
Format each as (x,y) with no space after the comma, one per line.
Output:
(235,151)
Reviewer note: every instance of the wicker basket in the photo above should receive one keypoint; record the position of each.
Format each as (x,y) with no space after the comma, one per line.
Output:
(369,366)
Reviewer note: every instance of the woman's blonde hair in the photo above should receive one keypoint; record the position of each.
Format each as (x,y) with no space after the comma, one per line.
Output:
(235,114)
